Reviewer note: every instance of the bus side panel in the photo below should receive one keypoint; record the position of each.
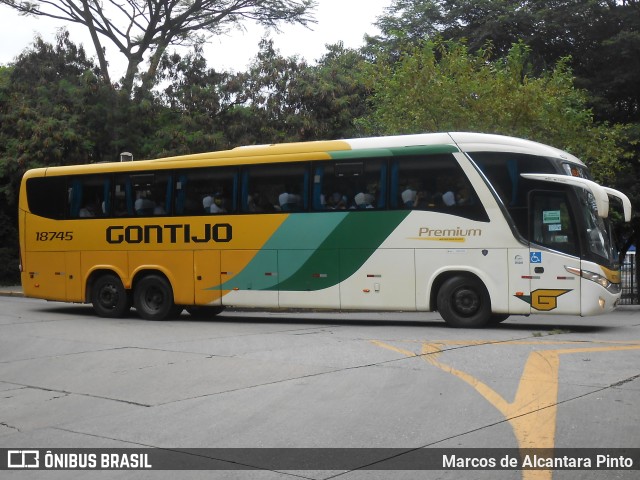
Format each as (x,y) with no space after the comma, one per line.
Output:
(73,277)
(519,281)
(206,270)
(553,289)
(177,266)
(385,281)
(249,278)
(43,276)
(116,262)
(308,278)
(489,265)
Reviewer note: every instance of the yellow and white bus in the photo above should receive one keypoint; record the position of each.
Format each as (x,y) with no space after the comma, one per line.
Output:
(475,226)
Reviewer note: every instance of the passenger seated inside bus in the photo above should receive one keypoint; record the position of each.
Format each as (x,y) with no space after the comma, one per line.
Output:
(289,202)
(214,203)
(445,195)
(463,196)
(87,211)
(159,209)
(256,203)
(336,201)
(144,205)
(409,196)
(364,200)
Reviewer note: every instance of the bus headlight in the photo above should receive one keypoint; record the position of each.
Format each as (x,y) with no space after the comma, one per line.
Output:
(594,277)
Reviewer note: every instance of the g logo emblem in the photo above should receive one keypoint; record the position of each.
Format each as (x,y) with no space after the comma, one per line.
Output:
(543,299)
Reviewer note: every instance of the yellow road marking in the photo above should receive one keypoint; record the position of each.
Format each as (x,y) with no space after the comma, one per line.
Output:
(533,412)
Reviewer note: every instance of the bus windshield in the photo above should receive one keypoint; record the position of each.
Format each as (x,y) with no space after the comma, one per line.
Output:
(510,176)
(599,233)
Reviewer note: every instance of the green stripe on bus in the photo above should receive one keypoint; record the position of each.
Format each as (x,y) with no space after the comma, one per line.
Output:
(393,152)
(329,248)
(346,249)
(305,231)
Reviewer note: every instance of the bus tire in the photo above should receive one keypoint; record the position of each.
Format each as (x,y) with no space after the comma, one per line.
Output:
(463,302)
(204,311)
(109,297)
(153,298)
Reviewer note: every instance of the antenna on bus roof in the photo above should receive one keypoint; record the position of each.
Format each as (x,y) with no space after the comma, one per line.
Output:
(126,157)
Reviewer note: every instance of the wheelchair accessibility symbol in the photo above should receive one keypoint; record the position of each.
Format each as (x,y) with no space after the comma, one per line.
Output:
(535,257)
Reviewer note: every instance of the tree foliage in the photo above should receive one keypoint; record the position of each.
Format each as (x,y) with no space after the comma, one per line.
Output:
(144,30)
(290,100)
(601,38)
(441,86)
(50,103)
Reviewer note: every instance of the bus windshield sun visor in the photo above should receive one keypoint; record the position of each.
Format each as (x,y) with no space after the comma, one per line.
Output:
(599,193)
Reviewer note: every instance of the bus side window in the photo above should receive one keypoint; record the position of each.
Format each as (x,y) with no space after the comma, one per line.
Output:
(206,191)
(433,182)
(148,194)
(503,170)
(89,196)
(48,197)
(275,188)
(352,184)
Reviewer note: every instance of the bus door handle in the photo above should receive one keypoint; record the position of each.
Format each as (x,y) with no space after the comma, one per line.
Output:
(539,269)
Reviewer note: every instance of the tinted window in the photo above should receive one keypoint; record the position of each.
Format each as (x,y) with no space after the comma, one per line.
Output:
(503,171)
(142,194)
(358,184)
(47,196)
(89,196)
(275,188)
(206,191)
(434,182)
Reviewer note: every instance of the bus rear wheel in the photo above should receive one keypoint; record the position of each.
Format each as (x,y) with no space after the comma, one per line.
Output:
(464,302)
(109,297)
(153,299)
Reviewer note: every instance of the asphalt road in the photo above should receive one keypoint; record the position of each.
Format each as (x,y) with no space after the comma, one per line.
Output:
(281,380)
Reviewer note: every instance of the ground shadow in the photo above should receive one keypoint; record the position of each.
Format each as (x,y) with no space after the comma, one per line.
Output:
(542,324)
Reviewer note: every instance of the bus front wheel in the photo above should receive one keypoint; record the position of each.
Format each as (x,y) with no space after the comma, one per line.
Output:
(109,297)
(153,299)
(464,302)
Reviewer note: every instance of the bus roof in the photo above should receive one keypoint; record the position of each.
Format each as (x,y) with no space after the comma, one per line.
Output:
(483,142)
(456,141)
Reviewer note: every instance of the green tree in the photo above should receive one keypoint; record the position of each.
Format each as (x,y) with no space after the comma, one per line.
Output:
(441,86)
(51,103)
(601,38)
(290,100)
(140,29)
(340,92)
(197,101)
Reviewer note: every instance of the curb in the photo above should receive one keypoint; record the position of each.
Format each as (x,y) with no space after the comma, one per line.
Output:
(11,292)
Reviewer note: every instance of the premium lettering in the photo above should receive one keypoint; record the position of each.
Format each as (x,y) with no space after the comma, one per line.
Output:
(175,233)
(449,232)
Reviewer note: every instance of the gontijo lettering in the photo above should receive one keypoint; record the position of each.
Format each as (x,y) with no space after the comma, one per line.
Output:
(172,233)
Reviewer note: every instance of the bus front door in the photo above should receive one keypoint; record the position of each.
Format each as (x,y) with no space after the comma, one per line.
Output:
(554,248)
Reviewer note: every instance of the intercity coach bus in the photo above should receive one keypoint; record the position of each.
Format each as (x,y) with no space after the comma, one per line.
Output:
(477,227)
